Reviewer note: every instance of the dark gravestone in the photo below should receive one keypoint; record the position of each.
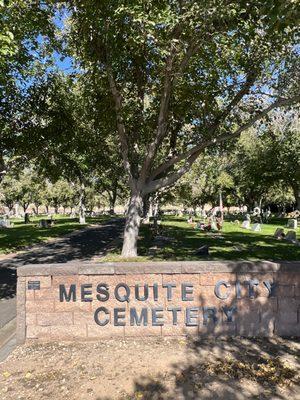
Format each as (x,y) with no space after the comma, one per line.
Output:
(202,251)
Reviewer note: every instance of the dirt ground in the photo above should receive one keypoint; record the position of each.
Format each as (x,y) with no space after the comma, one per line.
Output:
(154,369)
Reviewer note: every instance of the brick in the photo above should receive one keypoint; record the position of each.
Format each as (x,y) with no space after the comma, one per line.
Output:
(206,267)
(21,323)
(211,278)
(141,279)
(30,319)
(263,329)
(289,266)
(287,329)
(45,281)
(248,312)
(104,332)
(38,332)
(142,331)
(109,304)
(150,303)
(68,332)
(285,291)
(66,280)
(72,306)
(289,278)
(41,305)
(30,294)
(55,318)
(34,270)
(179,330)
(64,269)
(81,317)
(255,266)
(288,311)
(129,268)
(247,307)
(96,269)
(163,268)
(182,278)
(45,294)
(110,280)
(218,329)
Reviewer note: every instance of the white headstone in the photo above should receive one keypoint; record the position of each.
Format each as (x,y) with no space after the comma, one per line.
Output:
(214,226)
(292,223)
(256,228)
(5,223)
(246,224)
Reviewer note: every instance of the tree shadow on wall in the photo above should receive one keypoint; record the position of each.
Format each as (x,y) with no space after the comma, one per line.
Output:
(232,368)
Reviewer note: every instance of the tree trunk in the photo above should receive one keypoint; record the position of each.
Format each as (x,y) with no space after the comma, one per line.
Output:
(296,190)
(17,210)
(260,203)
(221,204)
(82,205)
(146,206)
(2,166)
(132,226)
(112,202)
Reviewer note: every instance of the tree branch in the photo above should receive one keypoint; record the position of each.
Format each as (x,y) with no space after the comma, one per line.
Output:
(213,127)
(192,154)
(170,80)
(120,124)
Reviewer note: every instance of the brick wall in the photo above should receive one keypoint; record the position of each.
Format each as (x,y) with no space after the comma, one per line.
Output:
(98,301)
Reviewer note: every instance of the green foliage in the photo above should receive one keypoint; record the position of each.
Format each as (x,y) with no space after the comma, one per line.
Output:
(135,42)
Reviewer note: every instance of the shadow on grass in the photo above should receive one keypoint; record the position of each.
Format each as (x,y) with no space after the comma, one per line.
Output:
(224,245)
(78,245)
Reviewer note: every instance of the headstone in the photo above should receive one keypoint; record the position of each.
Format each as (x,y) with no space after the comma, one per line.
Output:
(5,223)
(246,224)
(291,236)
(279,233)
(292,223)
(45,223)
(256,228)
(202,251)
(214,226)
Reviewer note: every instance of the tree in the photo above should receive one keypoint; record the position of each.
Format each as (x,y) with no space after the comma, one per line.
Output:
(205,182)
(283,150)
(60,193)
(9,190)
(23,25)
(266,158)
(183,76)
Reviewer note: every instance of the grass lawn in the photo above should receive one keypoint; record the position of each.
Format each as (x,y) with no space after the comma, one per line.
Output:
(21,235)
(232,243)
